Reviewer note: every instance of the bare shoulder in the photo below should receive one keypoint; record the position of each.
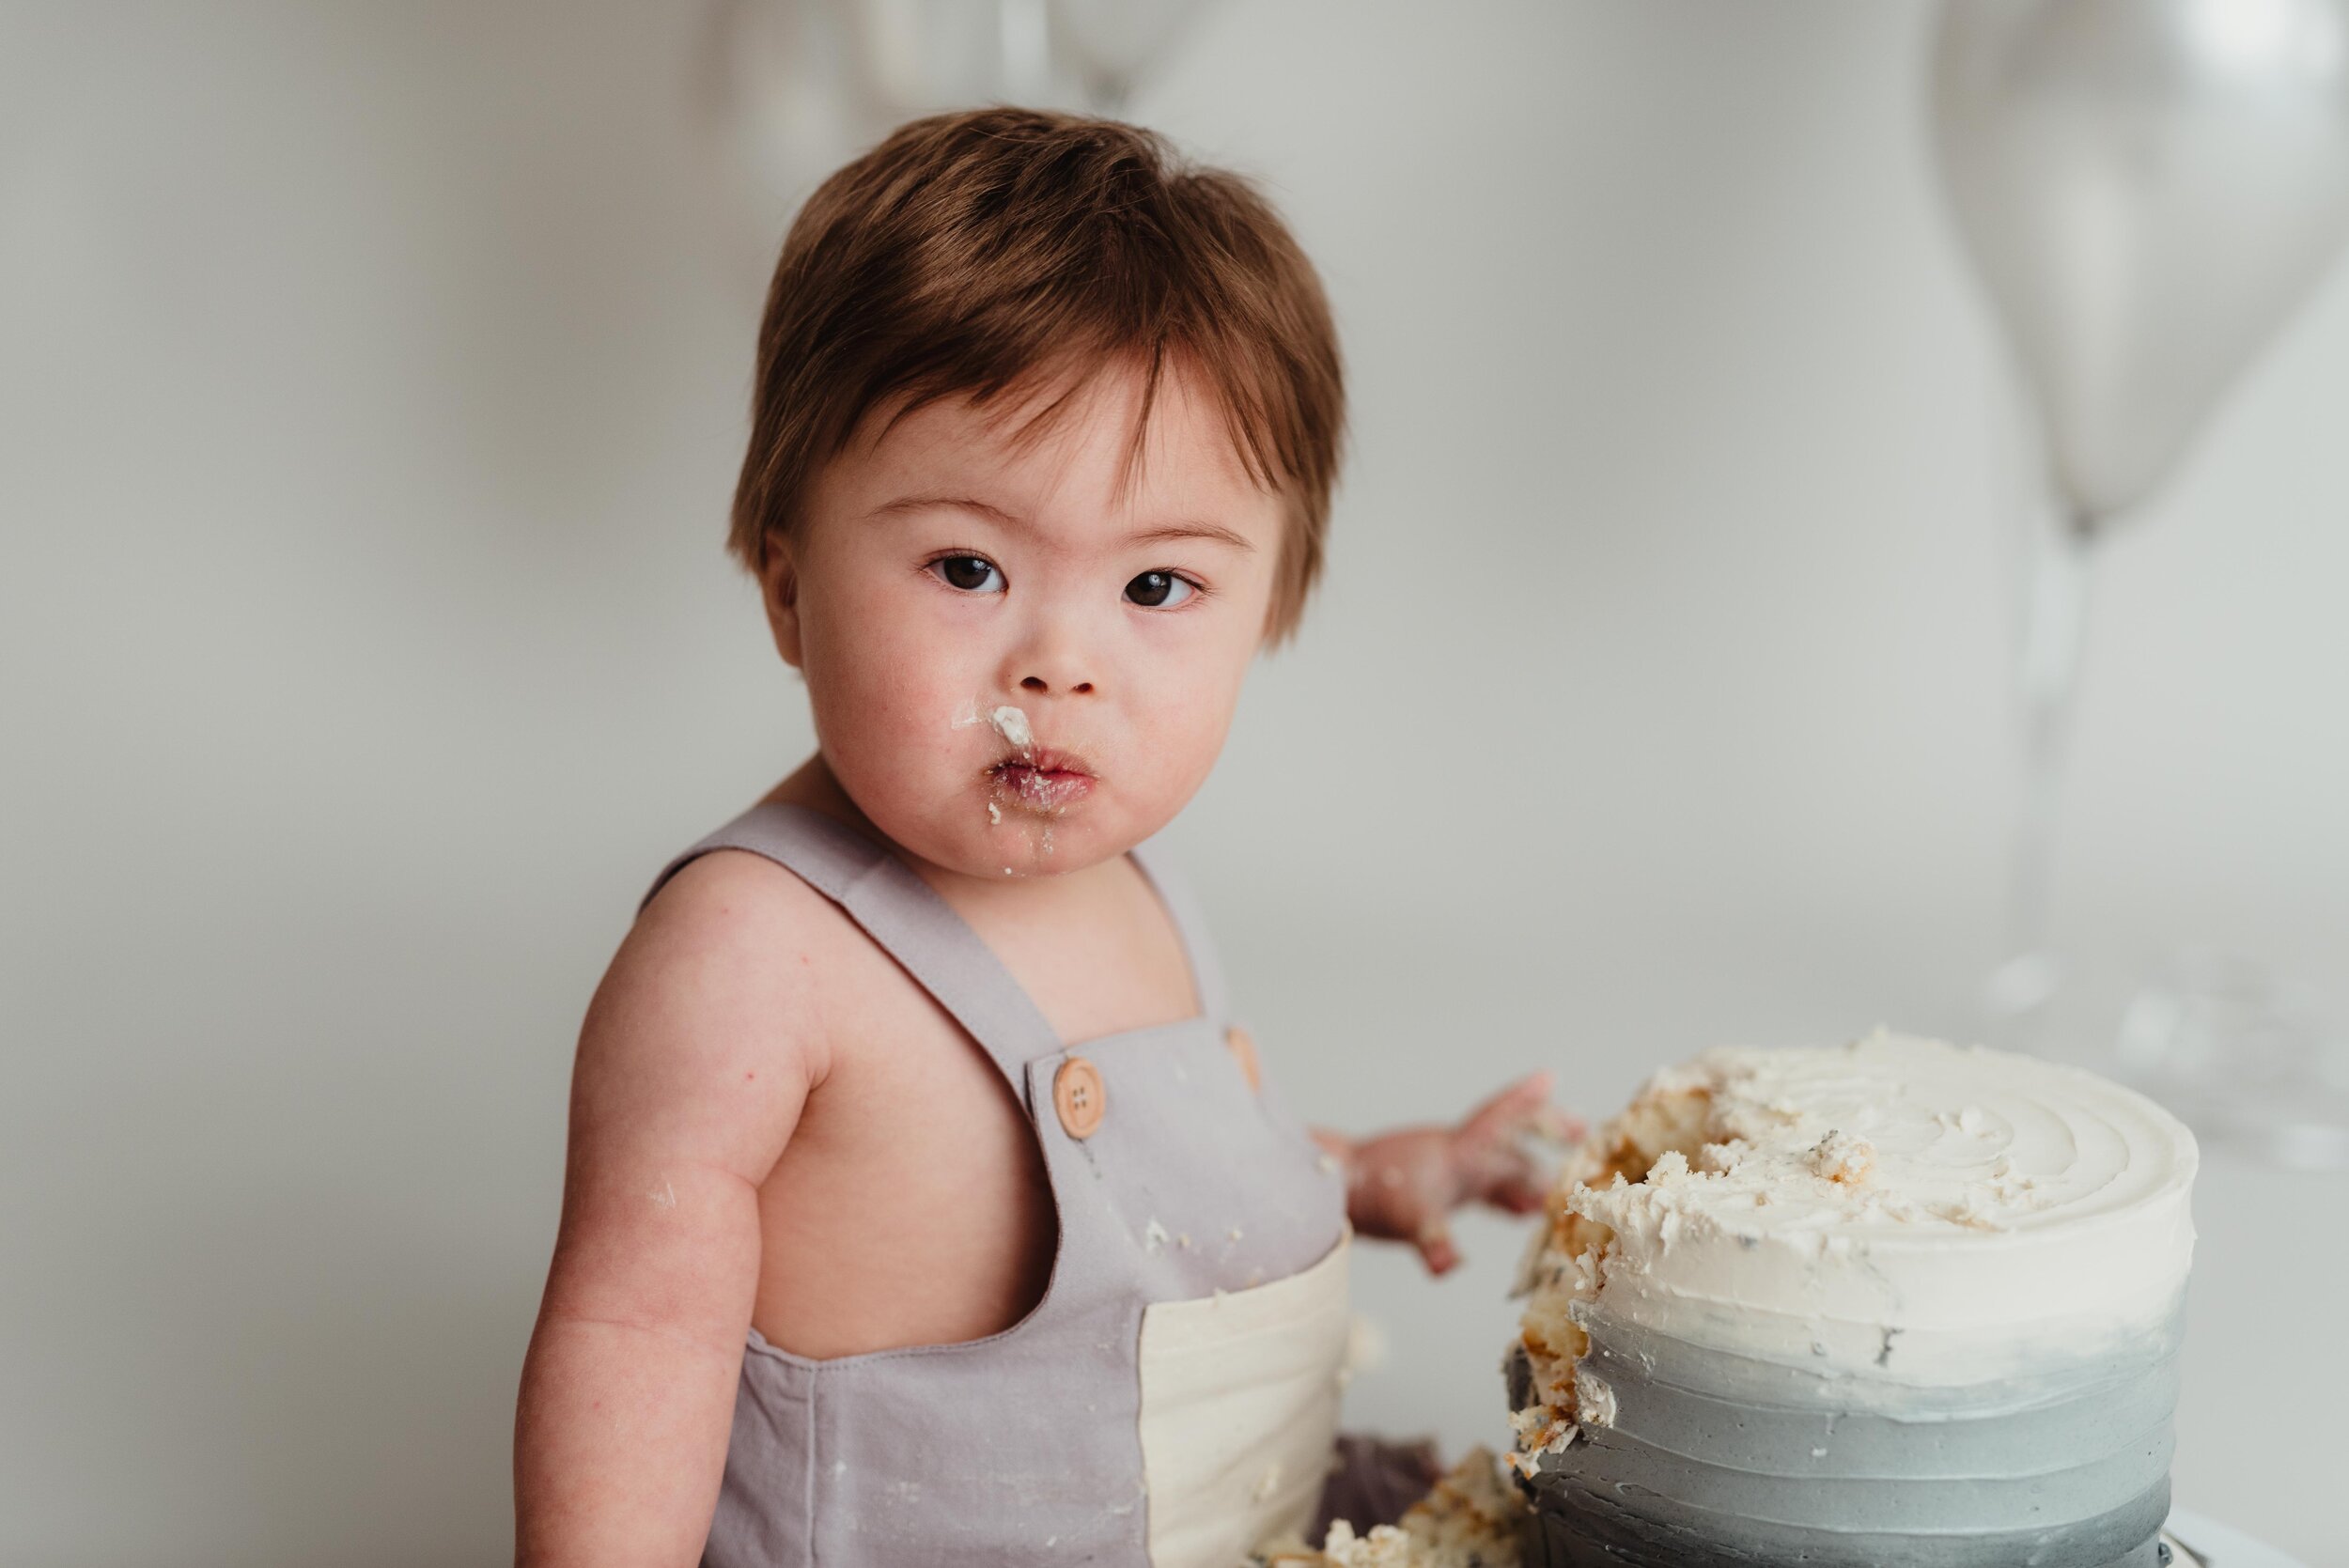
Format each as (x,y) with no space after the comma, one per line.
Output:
(734,910)
(709,1027)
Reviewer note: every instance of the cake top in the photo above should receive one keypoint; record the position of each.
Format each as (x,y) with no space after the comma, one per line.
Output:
(1892,1137)
(1894,1211)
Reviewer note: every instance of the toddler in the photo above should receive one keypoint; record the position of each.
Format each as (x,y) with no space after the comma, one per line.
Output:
(925,1204)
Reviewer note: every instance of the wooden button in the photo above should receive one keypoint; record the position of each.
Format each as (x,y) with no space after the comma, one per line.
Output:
(1245,1048)
(1077,1095)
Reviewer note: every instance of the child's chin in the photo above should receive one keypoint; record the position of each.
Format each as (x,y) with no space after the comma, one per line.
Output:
(1010,841)
(1022,851)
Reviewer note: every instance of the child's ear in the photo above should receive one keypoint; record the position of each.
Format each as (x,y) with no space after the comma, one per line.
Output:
(779,586)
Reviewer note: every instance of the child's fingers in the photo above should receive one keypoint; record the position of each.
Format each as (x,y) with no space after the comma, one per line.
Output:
(1509,1177)
(1559,1125)
(1522,1108)
(1435,1247)
(1514,1107)
(1519,1193)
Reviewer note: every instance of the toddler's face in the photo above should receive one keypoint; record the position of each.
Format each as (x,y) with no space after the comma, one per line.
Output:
(1017,665)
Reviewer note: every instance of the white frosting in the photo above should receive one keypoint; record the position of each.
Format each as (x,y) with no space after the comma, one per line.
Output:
(1006,721)
(1012,724)
(1910,1213)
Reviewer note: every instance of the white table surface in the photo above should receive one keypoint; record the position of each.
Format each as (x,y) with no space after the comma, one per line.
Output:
(2218,1546)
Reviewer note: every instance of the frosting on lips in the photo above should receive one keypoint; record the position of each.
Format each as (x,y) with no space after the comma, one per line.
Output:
(1037,778)
(1044,789)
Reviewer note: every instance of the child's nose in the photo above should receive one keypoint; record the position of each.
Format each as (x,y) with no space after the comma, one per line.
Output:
(1055,660)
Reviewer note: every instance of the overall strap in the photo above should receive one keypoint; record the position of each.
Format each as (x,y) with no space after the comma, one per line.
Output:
(1190,925)
(904,915)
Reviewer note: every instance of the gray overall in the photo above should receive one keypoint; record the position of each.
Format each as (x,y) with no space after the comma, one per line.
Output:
(1172,1399)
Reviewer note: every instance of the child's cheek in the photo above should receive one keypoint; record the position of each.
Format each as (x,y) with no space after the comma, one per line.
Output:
(920,683)
(884,684)
(1182,723)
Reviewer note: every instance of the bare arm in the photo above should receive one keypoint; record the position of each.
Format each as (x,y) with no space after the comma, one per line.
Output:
(694,1062)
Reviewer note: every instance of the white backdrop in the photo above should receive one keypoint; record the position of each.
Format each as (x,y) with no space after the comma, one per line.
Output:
(371,385)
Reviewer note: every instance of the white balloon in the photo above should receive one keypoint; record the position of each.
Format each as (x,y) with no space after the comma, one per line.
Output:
(1114,40)
(2149,188)
(806,84)
(795,100)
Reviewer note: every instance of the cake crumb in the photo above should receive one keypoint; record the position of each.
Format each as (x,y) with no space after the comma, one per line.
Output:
(1971,1212)
(1842,1157)
(1472,1518)
(1593,1401)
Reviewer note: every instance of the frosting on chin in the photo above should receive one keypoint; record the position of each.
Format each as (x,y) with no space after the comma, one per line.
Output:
(1900,1210)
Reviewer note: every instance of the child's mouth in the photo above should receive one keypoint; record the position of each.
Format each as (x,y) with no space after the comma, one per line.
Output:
(1042,780)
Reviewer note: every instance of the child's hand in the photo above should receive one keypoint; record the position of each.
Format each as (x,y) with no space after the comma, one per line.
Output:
(1404,1185)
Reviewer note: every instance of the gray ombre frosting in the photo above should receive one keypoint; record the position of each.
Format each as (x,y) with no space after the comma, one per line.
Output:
(1713,1459)
(1989,1428)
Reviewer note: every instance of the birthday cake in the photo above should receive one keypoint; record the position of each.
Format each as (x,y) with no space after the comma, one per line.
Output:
(1895,1304)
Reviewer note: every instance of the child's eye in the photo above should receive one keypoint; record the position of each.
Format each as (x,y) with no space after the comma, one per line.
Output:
(968,572)
(1160,590)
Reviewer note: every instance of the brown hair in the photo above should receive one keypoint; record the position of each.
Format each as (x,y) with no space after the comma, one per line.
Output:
(975,252)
